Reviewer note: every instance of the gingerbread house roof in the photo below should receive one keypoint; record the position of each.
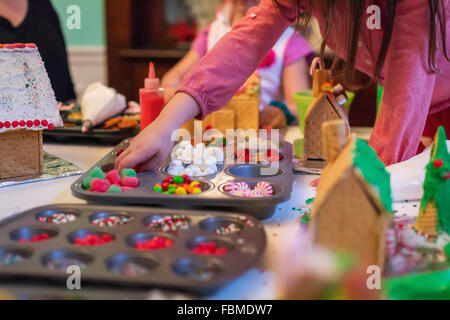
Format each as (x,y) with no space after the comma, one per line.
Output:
(27,99)
(436,186)
(358,159)
(325,99)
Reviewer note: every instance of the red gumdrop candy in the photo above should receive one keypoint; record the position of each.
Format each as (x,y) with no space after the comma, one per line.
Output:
(113,177)
(131,182)
(100,185)
(186,178)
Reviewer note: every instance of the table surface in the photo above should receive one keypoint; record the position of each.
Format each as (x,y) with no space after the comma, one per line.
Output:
(257,283)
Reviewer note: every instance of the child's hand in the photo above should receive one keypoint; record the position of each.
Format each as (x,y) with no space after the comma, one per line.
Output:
(272,118)
(147,150)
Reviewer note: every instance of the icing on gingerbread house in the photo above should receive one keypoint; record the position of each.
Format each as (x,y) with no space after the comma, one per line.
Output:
(434,214)
(353,206)
(27,106)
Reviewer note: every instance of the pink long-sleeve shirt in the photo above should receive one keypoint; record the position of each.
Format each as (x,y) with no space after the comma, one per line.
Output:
(411,91)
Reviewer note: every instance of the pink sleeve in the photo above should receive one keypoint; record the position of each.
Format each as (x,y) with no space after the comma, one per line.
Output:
(296,49)
(408,86)
(218,75)
(200,43)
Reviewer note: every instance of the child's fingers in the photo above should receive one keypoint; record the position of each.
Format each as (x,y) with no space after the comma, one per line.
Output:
(120,157)
(151,164)
(133,158)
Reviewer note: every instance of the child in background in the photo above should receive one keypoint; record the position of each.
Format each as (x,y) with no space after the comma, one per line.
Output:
(283,72)
(409,57)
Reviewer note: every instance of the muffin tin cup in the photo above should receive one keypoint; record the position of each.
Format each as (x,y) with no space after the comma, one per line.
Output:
(119,263)
(278,175)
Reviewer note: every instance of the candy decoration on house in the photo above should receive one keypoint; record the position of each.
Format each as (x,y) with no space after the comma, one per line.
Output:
(328,99)
(353,206)
(434,214)
(27,106)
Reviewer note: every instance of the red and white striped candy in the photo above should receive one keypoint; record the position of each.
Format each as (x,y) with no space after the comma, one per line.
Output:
(241,186)
(228,186)
(265,187)
(391,242)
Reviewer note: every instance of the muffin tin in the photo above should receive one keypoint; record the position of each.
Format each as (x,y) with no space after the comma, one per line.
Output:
(281,180)
(118,262)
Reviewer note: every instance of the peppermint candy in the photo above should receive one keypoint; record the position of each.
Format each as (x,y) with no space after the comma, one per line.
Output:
(265,188)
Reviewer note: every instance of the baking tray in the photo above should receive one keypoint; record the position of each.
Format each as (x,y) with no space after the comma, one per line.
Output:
(102,135)
(176,267)
(213,198)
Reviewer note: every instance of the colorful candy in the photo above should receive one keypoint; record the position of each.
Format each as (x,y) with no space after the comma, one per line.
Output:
(111,221)
(111,182)
(209,248)
(180,185)
(93,240)
(57,218)
(169,223)
(156,243)
(265,188)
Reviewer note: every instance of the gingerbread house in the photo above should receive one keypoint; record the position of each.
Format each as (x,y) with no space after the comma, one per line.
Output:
(434,214)
(27,106)
(353,206)
(241,112)
(326,106)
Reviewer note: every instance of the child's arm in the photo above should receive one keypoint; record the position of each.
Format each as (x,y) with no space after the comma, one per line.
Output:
(408,86)
(172,79)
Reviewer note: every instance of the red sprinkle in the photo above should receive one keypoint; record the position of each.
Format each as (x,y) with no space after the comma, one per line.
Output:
(93,240)
(209,248)
(119,152)
(155,243)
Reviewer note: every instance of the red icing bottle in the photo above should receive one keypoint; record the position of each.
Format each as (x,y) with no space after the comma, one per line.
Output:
(151,98)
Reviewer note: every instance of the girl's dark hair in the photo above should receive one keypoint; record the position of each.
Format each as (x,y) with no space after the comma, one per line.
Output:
(356,10)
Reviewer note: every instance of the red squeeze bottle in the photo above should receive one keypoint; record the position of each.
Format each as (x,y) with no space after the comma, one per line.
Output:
(151,98)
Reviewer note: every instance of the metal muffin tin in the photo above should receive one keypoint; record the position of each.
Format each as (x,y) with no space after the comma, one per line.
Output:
(175,267)
(213,198)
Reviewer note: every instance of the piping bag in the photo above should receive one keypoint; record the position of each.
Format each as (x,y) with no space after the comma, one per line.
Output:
(407,177)
(98,104)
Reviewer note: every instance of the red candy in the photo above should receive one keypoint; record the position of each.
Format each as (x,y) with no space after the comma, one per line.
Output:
(36,123)
(22,123)
(93,240)
(44,123)
(36,238)
(19,45)
(131,182)
(7,124)
(209,248)
(51,126)
(30,45)
(100,185)
(186,178)
(169,180)
(165,185)
(15,124)
(155,243)
(114,177)
(29,123)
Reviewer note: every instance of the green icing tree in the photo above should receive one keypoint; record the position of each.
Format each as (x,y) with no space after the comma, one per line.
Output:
(374,171)
(437,181)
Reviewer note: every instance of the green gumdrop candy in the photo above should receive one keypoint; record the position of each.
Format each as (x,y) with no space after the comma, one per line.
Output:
(87,183)
(98,173)
(178,180)
(157,189)
(128,173)
(114,189)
